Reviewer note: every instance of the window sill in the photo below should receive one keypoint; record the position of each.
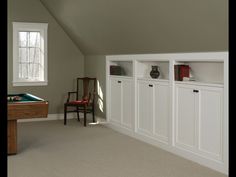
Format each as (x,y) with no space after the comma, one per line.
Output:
(36,83)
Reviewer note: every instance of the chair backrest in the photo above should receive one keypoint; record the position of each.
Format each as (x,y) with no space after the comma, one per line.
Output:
(86,95)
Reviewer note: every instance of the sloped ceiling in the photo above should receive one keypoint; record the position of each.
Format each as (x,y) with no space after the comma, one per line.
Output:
(143,26)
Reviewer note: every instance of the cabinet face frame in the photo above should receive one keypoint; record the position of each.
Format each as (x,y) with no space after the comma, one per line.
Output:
(172,58)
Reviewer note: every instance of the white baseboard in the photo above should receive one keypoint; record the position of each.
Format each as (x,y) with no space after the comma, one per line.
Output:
(59,116)
(120,129)
(50,117)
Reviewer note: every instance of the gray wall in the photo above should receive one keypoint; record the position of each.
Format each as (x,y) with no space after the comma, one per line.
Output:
(95,66)
(65,60)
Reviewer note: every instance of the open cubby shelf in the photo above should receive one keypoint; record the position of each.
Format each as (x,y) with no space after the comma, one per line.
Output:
(205,68)
(121,68)
(144,68)
(211,72)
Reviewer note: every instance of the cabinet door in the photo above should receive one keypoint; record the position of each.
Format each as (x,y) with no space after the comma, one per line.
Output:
(185,120)
(127,103)
(115,100)
(210,122)
(145,107)
(161,111)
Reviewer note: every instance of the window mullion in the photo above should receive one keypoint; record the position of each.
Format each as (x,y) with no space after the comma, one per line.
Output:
(34,66)
(19,69)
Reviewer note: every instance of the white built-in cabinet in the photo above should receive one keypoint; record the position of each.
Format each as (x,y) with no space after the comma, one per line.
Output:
(188,118)
(153,109)
(122,102)
(199,119)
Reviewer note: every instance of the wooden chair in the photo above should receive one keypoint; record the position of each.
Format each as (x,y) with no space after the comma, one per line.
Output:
(86,102)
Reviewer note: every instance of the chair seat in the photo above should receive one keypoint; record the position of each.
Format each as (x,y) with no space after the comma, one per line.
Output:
(78,102)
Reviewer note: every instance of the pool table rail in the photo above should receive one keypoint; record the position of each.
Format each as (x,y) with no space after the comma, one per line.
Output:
(27,110)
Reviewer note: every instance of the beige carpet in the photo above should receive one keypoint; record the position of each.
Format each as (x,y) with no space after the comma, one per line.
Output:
(50,149)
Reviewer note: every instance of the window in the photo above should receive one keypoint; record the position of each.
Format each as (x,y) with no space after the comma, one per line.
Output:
(29,54)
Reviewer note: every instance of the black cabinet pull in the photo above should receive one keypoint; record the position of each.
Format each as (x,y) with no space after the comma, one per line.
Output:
(150,85)
(119,81)
(195,91)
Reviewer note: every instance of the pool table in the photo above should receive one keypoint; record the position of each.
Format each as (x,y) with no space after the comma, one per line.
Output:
(22,106)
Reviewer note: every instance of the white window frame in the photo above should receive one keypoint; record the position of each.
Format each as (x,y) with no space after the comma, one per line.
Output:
(22,26)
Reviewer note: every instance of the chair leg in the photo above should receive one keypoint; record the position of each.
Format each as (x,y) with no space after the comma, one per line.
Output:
(85,111)
(93,114)
(65,111)
(78,113)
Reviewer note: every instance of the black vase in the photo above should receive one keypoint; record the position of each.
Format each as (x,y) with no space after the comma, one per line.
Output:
(155,72)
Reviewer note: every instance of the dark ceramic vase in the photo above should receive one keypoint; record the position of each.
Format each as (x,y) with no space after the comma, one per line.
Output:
(155,73)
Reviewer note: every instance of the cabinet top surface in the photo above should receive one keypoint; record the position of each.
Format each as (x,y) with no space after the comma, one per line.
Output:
(120,77)
(200,83)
